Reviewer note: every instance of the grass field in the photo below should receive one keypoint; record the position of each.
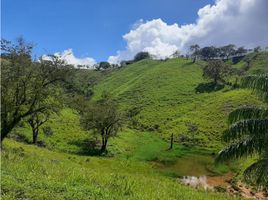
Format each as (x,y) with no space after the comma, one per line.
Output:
(30,172)
(138,164)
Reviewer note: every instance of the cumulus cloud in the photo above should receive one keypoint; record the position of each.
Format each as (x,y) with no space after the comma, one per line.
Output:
(240,22)
(69,57)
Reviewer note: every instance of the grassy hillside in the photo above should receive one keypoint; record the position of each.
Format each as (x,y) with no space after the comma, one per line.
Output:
(30,172)
(163,97)
(258,62)
(164,93)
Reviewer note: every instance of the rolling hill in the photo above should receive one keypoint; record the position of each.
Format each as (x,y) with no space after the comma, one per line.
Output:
(161,98)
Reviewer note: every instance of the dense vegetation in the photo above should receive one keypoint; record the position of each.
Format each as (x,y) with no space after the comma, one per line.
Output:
(164,114)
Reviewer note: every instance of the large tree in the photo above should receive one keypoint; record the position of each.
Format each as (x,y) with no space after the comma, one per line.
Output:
(25,83)
(208,53)
(248,133)
(104,118)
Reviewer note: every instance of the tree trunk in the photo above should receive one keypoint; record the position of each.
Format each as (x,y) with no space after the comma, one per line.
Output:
(4,132)
(171,141)
(215,81)
(104,144)
(7,128)
(35,135)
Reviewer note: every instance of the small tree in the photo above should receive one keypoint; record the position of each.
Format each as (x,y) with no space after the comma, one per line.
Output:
(216,70)
(195,51)
(257,49)
(36,120)
(228,50)
(241,51)
(142,55)
(103,66)
(103,118)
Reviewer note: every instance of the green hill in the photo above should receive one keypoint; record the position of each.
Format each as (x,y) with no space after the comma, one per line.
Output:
(160,98)
(164,93)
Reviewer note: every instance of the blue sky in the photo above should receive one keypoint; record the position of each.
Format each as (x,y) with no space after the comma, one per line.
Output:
(90,27)
(89,31)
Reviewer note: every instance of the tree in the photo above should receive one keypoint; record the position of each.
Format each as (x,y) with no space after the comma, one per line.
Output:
(216,70)
(25,83)
(241,51)
(208,53)
(176,54)
(103,66)
(35,121)
(248,133)
(257,49)
(195,51)
(103,118)
(228,50)
(142,55)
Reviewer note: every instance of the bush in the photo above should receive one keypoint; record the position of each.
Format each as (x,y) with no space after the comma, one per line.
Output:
(47,131)
(142,55)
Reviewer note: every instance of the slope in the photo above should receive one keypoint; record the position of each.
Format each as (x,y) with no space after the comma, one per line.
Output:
(163,96)
(30,172)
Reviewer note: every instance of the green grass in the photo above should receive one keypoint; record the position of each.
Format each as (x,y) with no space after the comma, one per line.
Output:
(258,64)
(68,136)
(139,164)
(165,93)
(30,172)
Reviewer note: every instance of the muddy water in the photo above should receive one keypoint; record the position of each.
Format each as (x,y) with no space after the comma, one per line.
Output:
(196,165)
(195,170)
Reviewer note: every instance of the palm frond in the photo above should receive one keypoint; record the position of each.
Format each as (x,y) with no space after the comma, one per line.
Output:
(237,150)
(248,112)
(259,84)
(257,128)
(257,173)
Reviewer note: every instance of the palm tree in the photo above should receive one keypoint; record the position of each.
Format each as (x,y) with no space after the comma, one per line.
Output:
(248,133)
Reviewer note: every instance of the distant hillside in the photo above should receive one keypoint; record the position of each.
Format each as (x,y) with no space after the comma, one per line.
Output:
(163,96)
(257,61)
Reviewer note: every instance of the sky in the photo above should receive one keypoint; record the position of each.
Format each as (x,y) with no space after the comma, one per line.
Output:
(90,31)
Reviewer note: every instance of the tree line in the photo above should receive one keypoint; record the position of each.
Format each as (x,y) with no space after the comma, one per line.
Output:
(223,52)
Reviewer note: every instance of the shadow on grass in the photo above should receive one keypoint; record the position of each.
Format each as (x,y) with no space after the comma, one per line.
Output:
(88,147)
(208,87)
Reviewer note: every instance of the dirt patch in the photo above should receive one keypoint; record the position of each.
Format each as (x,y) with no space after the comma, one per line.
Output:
(246,192)
(220,180)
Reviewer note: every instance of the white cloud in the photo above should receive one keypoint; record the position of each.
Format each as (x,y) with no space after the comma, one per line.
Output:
(241,22)
(69,57)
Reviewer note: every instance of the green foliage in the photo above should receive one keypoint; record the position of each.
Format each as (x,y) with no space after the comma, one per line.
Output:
(103,66)
(142,55)
(103,118)
(249,133)
(216,70)
(258,83)
(27,87)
